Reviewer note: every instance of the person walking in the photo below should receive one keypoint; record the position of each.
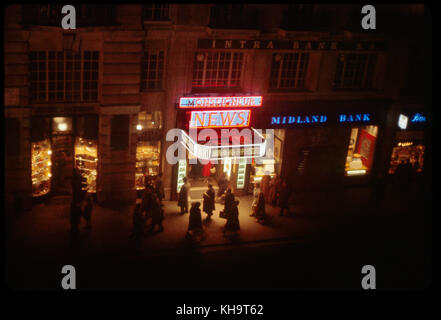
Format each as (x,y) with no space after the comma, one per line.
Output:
(159,187)
(223,184)
(229,201)
(195,220)
(183,196)
(138,222)
(232,224)
(209,201)
(206,171)
(258,204)
(157,213)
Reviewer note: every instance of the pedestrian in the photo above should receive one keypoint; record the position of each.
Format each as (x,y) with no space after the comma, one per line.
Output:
(265,186)
(159,187)
(183,196)
(138,222)
(77,187)
(229,201)
(273,190)
(206,171)
(285,193)
(258,205)
(232,224)
(88,209)
(157,213)
(223,184)
(195,220)
(75,216)
(209,201)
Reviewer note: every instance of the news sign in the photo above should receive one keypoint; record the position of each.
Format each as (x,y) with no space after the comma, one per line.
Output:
(220,118)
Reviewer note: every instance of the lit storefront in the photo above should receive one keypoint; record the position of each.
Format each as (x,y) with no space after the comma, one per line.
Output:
(409,143)
(41,168)
(148,149)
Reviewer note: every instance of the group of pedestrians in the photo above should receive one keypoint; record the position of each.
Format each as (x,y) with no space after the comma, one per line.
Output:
(150,208)
(230,212)
(81,204)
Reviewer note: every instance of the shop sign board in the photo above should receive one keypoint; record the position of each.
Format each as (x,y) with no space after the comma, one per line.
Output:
(308,119)
(418,117)
(220,102)
(220,118)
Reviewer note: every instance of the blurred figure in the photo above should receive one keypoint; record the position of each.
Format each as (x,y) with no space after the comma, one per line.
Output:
(274,190)
(229,201)
(77,188)
(232,224)
(195,220)
(183,196)
(156,212)
(223,184)
(265,186)
(159,187)
(209,201)
(285,193)
(206,171)
(88,207)
(138,222)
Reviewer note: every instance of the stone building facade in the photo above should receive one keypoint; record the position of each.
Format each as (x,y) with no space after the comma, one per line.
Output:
(147,59)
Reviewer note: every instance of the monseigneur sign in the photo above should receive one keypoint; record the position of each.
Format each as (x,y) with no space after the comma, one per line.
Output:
(220,102)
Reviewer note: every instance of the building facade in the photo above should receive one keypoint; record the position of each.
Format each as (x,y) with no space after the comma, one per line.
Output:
(103,96)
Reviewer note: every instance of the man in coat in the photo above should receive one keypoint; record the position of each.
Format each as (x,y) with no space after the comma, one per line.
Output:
(183,196)
(233,224)
(209,201)
(195,219)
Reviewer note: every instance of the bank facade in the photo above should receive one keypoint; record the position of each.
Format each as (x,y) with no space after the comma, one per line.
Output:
(102,97)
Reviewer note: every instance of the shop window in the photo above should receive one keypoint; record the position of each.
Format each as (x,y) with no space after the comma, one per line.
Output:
(355,71)
(41,167)
(407,152)
(86,160)
(361,149)
(152,70)
(218,69)
(147,161)
(64,76)
(288,70)
(119,134)
(12,137)
(149,120)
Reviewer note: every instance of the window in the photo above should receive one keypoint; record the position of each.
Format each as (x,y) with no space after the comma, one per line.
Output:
(152,70)
(410,152)
(217,69)
(156,12)
(119,135)
(355,71)
(288,70)
(64,76)
(361,150)
(149,120)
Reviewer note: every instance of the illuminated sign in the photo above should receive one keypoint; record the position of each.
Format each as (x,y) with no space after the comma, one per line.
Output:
(418,117)
(220,102)
(220,119)
(298,119)
(402,121)
(356,117)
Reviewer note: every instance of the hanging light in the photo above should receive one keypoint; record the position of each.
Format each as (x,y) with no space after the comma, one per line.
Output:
(139,127)
(62,126)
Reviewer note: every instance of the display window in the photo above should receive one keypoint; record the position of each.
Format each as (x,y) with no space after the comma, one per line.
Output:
(407,151)
(41,167)
(361,150)
(258,170)
(147,161)
(86,160)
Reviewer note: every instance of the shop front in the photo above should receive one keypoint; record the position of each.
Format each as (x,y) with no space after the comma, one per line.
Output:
(226,154)
(58,144)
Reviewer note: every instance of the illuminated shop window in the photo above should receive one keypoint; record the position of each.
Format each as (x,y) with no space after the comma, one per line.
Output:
(41,167)
(64,75)
(149,120)
(86,160)
(217,69)
(407,151)
(288,70)
(182,171)
(355,71)
(152,70)
(147,161)
(361,150)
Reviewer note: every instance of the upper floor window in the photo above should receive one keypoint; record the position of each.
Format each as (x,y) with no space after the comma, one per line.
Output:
(288,70)
(156,12)
(86,15)
(233,16)
(64,76)
(218,69)
(152,70)
(355,71)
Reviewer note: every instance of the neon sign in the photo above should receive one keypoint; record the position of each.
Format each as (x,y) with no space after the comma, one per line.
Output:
(358,117)
(418,117)
(298,119)
(220,102)
(220,119)
(402,121)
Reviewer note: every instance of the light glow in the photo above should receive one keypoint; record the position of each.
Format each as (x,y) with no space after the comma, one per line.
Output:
(220,118)
(62,126)
(356,172)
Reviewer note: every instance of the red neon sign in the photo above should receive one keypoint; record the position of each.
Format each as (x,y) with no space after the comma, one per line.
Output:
(220,118)
(220,102)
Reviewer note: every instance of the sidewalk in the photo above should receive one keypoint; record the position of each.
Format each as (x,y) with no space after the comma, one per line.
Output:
(46,229)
